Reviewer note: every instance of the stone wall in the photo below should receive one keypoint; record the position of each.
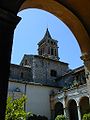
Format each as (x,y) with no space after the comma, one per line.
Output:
(42,69)
(20,73)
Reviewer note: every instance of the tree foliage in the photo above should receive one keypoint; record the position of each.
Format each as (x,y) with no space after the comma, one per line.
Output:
(86,116)
(15,109)
(60,117)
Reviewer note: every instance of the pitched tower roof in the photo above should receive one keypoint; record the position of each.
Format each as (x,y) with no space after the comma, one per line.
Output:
(48,46)
(47,34)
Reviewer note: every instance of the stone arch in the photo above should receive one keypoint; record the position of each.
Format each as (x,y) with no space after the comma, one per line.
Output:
(59,110)
(66,16)
(72,110)
(9,21)
(84,105)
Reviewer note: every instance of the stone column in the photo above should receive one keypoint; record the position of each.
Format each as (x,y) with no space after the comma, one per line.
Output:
(86,58)
(52,105)
(66,113)
(8,22)
(79,114)
(65,100)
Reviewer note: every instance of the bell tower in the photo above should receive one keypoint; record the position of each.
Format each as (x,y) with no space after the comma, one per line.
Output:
(48,47)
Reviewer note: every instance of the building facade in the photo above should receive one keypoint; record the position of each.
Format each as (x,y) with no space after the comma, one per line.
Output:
(50,86)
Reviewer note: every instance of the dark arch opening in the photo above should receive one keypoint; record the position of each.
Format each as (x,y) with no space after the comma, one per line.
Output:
(59,109)
(84,105)
(72,109)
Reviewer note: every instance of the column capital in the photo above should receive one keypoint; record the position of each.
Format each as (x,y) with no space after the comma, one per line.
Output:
(85,56)
(9,17)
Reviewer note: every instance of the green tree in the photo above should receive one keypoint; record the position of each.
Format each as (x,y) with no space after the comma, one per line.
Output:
(60,117)
(15,109)
(86,116)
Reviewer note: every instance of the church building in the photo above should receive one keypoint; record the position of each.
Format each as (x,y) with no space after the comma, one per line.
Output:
(51,87)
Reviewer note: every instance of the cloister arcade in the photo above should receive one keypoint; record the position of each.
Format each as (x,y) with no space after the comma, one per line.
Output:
(73,107)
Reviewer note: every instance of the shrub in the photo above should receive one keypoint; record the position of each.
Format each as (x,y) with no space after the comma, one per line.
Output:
(86,116)
(60,117)
(15,109)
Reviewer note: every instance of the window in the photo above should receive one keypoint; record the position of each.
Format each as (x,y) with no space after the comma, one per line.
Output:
(26,62)
(21,74)
(40,52)
(55,53)
(48,41)
(48,50)
(43,50)
(53,73)
(52,52)
(52,42)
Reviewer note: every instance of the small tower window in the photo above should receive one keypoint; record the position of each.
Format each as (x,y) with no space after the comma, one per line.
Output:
(21,75)
(48,41)
(55,53)
(41,52)
(48,50)
(26,62)
(52,52)
(51,42)
(53,73)
(54,43)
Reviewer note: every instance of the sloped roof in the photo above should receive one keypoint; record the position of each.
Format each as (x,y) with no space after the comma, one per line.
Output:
(47,35)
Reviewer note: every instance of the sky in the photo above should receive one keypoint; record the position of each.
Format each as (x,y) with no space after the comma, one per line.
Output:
(31,29)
